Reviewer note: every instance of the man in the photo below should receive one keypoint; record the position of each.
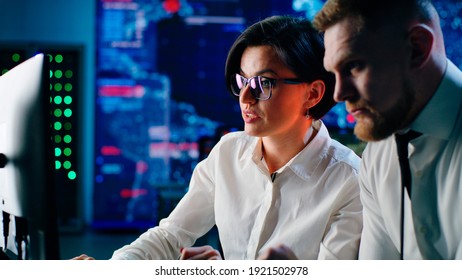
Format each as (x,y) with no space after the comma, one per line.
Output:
(392,72)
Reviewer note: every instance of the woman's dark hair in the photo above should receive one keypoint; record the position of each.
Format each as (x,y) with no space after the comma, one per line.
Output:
(297,44)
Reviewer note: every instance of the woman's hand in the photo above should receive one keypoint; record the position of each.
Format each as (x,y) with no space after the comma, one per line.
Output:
(200,253)
(278,252)
(83,257)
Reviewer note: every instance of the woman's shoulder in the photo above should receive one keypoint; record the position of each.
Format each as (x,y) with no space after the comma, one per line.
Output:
(344,154)
(236,136)
(235,141)
(337,151)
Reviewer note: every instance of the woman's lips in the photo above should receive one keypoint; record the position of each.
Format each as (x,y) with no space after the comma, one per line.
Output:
(249,116)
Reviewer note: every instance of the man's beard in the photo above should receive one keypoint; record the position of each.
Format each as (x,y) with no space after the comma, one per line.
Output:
(378,126)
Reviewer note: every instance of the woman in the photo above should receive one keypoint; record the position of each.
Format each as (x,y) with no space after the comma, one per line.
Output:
(283,179)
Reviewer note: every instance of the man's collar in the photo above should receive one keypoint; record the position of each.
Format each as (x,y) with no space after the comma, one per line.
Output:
(440,114)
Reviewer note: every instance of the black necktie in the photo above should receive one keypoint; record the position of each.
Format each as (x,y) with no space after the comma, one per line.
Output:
(426,217)
(402,141)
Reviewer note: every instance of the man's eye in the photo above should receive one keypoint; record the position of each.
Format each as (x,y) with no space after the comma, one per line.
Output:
(353,66)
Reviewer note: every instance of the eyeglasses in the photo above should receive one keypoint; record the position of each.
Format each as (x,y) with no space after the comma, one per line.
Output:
(260,87)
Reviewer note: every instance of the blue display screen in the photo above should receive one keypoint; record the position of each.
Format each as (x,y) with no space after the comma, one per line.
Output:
(161,100)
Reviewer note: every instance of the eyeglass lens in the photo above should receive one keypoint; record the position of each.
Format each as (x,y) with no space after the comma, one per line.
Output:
(260,87)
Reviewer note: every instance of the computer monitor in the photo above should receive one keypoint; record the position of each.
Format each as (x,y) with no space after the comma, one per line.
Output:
(27,197)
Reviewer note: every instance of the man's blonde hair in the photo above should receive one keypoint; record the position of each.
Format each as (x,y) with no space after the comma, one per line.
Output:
(373,13)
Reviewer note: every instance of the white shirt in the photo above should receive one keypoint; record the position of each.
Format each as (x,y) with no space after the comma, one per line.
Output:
(435,160)
(312,206)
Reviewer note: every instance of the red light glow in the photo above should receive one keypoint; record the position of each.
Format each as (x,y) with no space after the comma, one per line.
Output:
(110,151)
(127,193)
(171,6)
(350,118)
(136,91)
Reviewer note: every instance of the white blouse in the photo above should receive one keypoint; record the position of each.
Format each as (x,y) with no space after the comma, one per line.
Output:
(311,204)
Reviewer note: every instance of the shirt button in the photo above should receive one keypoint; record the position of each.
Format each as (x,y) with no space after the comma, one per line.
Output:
(418,173)
(423,230)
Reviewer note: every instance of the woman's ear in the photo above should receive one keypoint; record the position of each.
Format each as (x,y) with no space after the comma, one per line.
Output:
(421,40)
(315,93)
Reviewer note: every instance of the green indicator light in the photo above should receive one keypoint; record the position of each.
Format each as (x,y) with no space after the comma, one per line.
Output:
(58,139)
(58,74)
(58,113)
(58,100)
(57,164)
(51,87)
(67,152)
(68,125)
(50,57)
(69,74)
(4,71)
(67,164)
(58,126)
(57,152)
(68,100)
(51,74)
(59,58)
(58,87)
(15,57)
(67,139)
(68,87)
(72,175)
(68,113)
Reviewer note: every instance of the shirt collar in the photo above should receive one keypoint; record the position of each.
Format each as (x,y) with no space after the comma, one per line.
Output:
(305,162)
(440,114)
(258,152)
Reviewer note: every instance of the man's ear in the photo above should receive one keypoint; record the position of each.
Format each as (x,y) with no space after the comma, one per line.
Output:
(421,40)
(315,93)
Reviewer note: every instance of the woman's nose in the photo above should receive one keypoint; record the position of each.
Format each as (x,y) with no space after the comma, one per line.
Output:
(246,96)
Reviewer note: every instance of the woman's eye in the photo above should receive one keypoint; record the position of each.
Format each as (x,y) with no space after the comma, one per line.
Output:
(265,83)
